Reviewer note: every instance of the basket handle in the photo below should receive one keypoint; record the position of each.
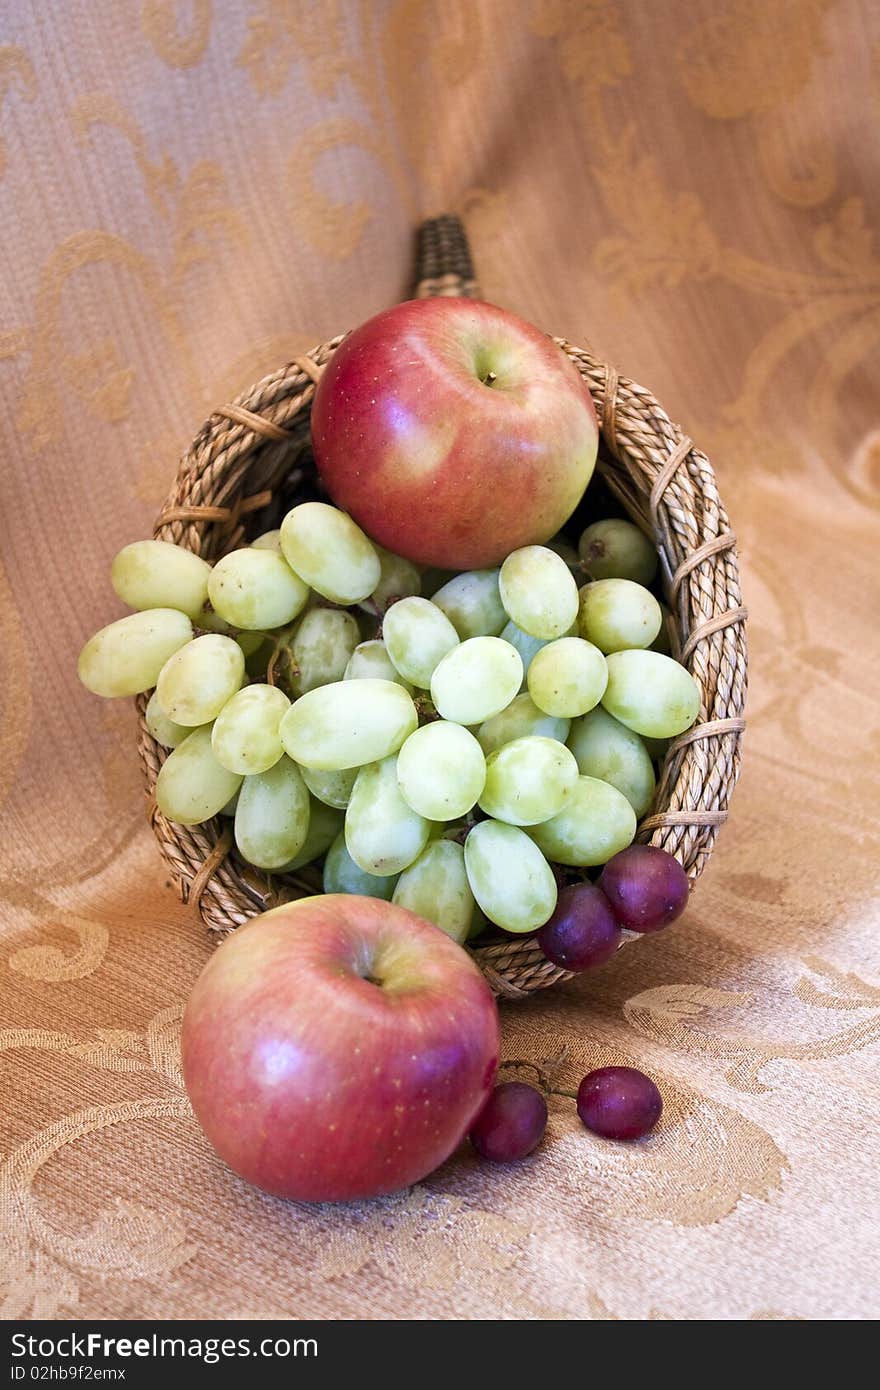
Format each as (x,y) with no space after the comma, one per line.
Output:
(443,260)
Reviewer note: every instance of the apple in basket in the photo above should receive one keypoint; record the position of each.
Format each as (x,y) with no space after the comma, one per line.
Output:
(338,1047)
(453,432)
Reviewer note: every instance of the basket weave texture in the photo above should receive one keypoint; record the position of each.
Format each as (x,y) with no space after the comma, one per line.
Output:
(249,464)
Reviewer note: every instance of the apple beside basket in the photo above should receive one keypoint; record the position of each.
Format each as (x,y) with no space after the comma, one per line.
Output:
(250,463)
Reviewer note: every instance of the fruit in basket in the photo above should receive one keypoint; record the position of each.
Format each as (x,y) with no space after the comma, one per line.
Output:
(164,730)
(472,603)
(567,677)
(256,589)
(538,592)
(272,816)
(417,635)
(382,831)
(616,549)
(651,694)
(348,724)
(125,657)
(435,886)
(509,876)
(410,759)
(521,718)
(583,931)
(192,785)
(476,679)
(321,647)
(441,771)
(453,432)
(156,574)
(330,553)
(607,749)
(646,887)
(595,822)
(616,615)
(528,780)
(338,1048)
(246,736)
(371,659)
(198,680)
(343,875)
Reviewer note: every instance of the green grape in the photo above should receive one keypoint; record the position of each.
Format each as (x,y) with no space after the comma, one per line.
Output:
(372,659)
(272,816)
(270,540)
(436,888)
(606,749)
(509,876)
(567,677)
(155,574)
(476,679)
(616,549)
(321,648)
(125,657)
(616,614)
(229,809)
(383,833)
(528,780)
(343,875)
(521,718)
(662,643)
(195,683)
(256,589)
(539,592)
(348,724)
(473,604)
(325,823)
(399,578)
(333,788)
(192,786)
(330,552)
(441,771)
(595,823)
(417,636)
(245,736)
(651,694)
(163,729)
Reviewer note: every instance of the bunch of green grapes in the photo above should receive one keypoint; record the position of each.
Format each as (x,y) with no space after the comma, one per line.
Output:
(440,741)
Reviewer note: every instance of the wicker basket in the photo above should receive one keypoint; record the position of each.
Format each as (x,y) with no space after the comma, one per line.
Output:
(250,462)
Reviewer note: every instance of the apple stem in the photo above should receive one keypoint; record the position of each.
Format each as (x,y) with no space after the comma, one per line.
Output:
(489,378)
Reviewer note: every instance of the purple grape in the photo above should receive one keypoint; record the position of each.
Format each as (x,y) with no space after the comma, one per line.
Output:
(619,1102)
(646,887)
(511,1123)
(582,932)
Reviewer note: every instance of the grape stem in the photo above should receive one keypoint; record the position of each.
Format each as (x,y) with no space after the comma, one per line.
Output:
(542,1072)
(282,653)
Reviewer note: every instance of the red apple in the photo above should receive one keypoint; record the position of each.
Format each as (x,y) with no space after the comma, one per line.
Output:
(338,1047)
(453,432)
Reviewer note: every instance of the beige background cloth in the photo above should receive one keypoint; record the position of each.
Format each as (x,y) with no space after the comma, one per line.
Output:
(191,194)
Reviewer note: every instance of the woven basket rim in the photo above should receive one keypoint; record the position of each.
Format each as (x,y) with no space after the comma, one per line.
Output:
(247,450)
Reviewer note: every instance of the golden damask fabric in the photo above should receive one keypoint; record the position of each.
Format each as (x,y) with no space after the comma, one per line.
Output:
(192,193)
